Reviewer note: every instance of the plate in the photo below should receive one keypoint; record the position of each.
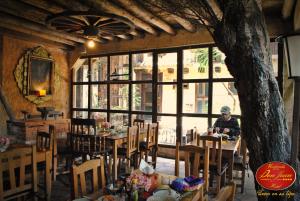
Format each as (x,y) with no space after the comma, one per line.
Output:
(108,198)
(168,194)
(158,198)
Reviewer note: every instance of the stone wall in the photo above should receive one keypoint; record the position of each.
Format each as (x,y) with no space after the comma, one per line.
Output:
(13,49)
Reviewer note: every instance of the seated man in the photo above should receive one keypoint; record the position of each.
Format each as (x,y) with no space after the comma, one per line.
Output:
(227,124)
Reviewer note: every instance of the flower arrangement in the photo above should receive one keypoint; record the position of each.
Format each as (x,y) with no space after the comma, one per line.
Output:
(141,180)
(105,125)
(4,143)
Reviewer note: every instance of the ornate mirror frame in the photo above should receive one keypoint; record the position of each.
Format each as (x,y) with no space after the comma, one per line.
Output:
(27,70)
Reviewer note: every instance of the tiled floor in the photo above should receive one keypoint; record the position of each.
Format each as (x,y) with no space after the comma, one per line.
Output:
(61,188)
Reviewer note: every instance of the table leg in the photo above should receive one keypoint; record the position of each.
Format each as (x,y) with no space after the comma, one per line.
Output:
(115,157)
(230,163)
(48,175)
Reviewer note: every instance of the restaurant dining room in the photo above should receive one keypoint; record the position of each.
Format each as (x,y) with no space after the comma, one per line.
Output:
(150,100)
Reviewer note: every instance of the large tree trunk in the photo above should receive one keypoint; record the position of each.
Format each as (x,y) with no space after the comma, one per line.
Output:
(243,37)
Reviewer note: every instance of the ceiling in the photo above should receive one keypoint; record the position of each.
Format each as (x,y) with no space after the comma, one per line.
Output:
(28,18)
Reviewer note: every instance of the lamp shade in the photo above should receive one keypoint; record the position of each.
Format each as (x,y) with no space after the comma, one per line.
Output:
(292,54)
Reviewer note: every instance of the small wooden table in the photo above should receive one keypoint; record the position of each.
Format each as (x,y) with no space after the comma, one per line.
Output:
(41,156)
(228,150)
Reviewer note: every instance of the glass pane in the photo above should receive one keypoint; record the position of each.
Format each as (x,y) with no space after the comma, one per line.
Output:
(195,98)
(80,114)
(274,51)
(119,96)
(142,66)
(118,119)
(167,130)
(99,116)
(167,67)
(119,67)
(147,118)
(80,96)
(219,67)
(142,97)
(224,93)
(199,124)
(99,69)
(195,63)
(81,74)
(166,98)
(99,96)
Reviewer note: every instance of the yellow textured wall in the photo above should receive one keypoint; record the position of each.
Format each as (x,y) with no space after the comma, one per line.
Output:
(13,50)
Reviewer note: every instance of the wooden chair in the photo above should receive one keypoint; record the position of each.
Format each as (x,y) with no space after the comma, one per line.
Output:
(96,166)
(85,145)
(83,126)
(190,135)
(47,142)
(217,167)
(196,156)
(13,164)
(227,193)
(132,146)
(241,165)
(140,123)
(151,144)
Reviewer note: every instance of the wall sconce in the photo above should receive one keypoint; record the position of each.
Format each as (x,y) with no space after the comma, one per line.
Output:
(41,93)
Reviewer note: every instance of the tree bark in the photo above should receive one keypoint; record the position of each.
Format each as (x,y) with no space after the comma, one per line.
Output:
(243,37)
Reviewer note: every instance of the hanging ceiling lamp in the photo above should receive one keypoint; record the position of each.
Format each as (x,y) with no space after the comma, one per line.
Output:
(91,25)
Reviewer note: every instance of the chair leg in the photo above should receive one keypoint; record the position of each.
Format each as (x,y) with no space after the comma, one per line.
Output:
(218,184)
(243,181)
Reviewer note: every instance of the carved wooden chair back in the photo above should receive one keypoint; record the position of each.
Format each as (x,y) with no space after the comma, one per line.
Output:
(226,193)
(83,126)
(140,123)
(152,135)
(79,187)
(196,156)
(45,140)
(215,150)
(218,167)
(85,144)
(241,164)
(132,140)
(13,164)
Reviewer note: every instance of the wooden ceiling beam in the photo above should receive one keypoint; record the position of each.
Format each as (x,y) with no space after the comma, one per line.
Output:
(112,8)
(21,25)
(287,8)
(23,10)
(125,36)
(187,25)
(276,27)
(49,6)
(35,38)
(297,16)
(137,34)
(144,14)
(216,8)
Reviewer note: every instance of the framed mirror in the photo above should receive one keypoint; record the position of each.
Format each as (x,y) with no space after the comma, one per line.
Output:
(35,74)
(40,75)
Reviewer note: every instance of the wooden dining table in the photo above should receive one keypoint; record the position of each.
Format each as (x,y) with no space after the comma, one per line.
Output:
(117,140)
(41,156)
(229,148)
(196,195)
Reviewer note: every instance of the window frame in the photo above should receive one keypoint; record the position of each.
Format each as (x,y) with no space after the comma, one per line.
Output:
(180,82)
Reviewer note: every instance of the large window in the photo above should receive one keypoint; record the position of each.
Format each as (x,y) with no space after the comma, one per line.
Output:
(182,89)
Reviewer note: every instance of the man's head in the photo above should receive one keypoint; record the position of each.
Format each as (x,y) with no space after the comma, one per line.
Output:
(225,111)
